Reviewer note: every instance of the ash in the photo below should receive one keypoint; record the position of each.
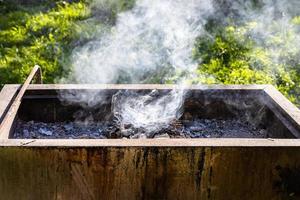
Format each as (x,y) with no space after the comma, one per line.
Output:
(199,128)
(231,128)
(69,130)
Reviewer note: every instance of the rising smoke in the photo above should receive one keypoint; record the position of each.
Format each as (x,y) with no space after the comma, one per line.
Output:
(148,44)
(154,40)
(274,28)
(150,112)
(269,23)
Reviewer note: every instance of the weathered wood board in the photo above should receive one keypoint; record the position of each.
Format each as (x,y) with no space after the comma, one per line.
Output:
(152,168)
(149,173)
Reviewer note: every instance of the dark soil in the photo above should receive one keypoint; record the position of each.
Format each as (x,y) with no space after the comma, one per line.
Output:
(200,128)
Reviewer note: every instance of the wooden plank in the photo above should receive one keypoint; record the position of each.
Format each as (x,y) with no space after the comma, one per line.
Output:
(203,142)
(286,111)
(9,118)
(7,95)
(149,173)
(284,103)
(142,86)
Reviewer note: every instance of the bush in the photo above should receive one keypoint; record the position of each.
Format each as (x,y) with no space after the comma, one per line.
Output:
(38,36)
(233,56)
(46,32)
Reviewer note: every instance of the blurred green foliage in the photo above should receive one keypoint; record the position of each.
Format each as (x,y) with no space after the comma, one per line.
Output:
(40,35)
(46,32)
(232,55)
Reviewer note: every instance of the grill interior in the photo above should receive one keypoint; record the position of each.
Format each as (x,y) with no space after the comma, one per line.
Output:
(248,106)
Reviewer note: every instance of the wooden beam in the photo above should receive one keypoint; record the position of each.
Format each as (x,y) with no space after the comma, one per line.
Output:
(8,119)
(286,111)
(202,142)
(7,94)
(142,87)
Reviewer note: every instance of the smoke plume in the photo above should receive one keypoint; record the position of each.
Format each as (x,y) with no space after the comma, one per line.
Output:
(148,44)
(153,43)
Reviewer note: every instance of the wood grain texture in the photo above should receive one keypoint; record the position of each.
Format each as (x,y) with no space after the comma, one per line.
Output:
(9,117)
(7,94)
(146,173)
(152,168)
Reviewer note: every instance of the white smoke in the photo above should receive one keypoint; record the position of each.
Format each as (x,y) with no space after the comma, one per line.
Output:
(275,33)
(150,112)
(148,44)
(270,25)
(155,34)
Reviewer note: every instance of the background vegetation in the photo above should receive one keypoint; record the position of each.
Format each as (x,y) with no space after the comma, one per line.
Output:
(45,32)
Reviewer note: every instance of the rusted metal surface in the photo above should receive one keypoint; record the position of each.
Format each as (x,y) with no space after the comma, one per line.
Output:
(148,173)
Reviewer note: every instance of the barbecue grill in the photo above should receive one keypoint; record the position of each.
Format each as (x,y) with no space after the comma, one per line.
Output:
(170,168)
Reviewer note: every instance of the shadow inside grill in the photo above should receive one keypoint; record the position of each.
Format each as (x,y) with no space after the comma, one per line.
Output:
(206,114)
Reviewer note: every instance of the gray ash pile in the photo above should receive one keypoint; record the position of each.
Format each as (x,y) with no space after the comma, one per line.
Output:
(198,128)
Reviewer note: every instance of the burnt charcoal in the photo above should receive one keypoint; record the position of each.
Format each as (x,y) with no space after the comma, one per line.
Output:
(195,128)
(230,128)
